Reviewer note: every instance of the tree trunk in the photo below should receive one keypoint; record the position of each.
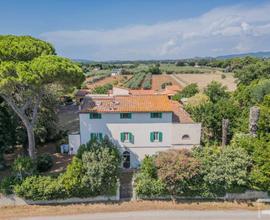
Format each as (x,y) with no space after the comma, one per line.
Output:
(31,141)
(27,124)
(225,124)
(254,115)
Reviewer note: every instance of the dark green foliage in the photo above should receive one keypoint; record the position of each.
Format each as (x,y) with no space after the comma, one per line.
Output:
(44,162)
(94,173)
(8,124)
(253,71)
(187,92)
(23,167)
(8,183)
(154,69)
(215,91)
(211,115)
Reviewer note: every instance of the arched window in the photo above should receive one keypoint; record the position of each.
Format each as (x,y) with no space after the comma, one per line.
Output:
(185,137)
(126,159)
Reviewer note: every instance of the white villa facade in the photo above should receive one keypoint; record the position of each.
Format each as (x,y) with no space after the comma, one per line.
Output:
(139,125)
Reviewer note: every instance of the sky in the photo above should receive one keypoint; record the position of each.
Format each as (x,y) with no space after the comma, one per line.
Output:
(141,29)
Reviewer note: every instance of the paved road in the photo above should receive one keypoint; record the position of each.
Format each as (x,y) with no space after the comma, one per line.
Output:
(164,215)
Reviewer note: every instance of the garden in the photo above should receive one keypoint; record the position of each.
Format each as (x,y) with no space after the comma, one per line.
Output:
(94,171)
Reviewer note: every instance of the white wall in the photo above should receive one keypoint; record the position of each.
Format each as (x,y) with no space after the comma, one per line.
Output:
(74,142)
(193,130)
(140,125)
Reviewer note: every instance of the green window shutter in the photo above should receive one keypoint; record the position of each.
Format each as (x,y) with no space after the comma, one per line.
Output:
(160,136)
(121,115)
(160,115)
(99,115)
(99,136)
(129,115)
(131,138)
(122,136)
(152,136)
(91,115)
(152,115)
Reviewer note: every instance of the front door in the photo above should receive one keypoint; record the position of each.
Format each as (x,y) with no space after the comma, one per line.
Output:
(126,160)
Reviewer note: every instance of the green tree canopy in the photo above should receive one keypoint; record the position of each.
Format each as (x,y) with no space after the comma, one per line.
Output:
(215,91)
(28,68)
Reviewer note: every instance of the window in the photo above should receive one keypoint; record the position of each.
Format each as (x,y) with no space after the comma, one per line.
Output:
(125,115)
(97,136)
(156,136)
(126,159)
(127,137)
(156,115)
(185,137)
(95,116)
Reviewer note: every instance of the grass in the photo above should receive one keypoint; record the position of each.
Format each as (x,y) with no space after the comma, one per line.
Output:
(13,212)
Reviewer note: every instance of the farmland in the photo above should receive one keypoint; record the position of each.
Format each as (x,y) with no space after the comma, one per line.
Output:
(158,80)
(139,76)
(205,78)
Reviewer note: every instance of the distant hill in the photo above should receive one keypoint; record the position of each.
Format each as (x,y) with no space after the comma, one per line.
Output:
(265,54)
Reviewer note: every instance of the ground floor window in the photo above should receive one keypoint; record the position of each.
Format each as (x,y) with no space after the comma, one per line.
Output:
(126,159)
(97,136)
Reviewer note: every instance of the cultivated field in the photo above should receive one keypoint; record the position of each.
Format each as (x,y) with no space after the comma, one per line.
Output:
(158,80)
(204,79)
(115,80)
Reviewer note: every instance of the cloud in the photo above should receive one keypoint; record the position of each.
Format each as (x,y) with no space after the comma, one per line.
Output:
(219,31)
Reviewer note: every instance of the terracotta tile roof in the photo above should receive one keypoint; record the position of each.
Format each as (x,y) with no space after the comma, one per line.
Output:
(179,114)
(130,103)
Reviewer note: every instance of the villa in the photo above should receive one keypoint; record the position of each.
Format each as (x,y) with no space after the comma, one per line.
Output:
(139,125)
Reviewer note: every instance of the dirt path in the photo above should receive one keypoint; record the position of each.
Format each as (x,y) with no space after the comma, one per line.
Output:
(13,212)
(180,81)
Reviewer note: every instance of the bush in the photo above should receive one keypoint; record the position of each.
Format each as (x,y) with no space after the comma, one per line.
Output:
(94,173)
(40,188)
(179,170)
(146,186)
(23,167)
(226,170)
(7,184)
(44,162)
(187,92)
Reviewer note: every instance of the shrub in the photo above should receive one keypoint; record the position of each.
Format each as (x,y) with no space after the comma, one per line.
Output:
(187,92)
(40,188)
(71,179)
(223,76)
(146,186)
(148,167)
(229,170)
(23,167)
(94,173)
(7,184)
(44,162)
(179,170)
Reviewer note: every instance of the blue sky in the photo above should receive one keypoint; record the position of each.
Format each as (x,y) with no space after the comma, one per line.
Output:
(142,29)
